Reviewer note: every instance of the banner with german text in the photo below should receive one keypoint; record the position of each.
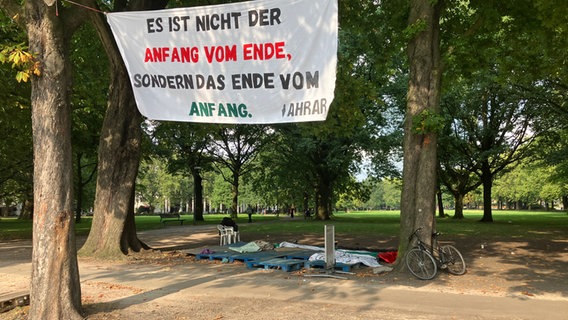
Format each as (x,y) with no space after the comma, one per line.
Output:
(267,61)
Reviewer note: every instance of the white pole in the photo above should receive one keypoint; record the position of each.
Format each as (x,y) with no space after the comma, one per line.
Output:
(329,247)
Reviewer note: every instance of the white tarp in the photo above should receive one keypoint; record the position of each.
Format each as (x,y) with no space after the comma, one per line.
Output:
(343,256)
(267,61)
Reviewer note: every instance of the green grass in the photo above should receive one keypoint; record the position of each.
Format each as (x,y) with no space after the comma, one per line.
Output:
(507,224)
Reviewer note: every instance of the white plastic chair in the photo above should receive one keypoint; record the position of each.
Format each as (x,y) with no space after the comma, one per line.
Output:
(224,236)
(235,235)
(228,235)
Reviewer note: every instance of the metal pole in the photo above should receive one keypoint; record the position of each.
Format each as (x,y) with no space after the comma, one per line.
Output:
(329,247)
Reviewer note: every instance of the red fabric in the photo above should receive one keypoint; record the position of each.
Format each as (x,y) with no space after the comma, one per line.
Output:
(388,256)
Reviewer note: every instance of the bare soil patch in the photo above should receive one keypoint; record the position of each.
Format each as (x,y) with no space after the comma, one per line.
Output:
(506,279)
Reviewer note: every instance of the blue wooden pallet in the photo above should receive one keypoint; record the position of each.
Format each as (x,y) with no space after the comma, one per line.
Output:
(13,299)
(229,255)
(338,265)
(257,256)
(219,252)
(279,263)
(298,254)
(284,259)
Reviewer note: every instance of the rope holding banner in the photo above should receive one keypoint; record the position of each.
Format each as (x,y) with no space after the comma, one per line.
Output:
(78,5)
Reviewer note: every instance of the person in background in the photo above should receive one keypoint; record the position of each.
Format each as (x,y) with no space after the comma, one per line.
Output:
(228,222)
(249,212)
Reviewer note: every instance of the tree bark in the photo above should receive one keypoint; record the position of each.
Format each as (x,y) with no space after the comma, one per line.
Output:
(78,188)
(441,213)
(27,209)
(119,154)
(129,237)
(55,285)
(458,211)
(235,195)
(197,195)
(324,194)
(418,200)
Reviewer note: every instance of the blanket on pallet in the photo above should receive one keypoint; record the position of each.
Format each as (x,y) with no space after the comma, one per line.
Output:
(343,256)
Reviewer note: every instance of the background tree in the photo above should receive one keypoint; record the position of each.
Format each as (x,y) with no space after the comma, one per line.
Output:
(183,146)
(235,148)
(557,156)
(219,191)
(385,194)
(329,153)
(531,185)
(490,131)
(161,189)
(150,181)
(88,100)
(492,116)
(16,150)
(281,177)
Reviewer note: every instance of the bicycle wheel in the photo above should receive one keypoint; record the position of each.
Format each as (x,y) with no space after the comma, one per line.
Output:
(421,264)
(453,259)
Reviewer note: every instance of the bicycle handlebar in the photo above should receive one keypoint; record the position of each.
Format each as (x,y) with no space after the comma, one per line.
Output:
(434,234)
(414,233)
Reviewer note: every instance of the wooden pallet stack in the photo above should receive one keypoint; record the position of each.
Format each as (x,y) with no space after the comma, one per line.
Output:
(12,299)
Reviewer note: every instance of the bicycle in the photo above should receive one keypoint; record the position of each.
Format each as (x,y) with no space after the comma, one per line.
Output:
(424,260)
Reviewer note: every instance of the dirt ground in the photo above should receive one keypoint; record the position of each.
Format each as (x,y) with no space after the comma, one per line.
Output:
(506,279)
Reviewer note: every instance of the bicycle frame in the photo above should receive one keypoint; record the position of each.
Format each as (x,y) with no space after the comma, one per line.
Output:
(441,257)
(432,248)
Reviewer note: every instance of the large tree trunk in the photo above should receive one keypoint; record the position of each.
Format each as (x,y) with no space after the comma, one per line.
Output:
(55,285)
(119,155)
(418,200)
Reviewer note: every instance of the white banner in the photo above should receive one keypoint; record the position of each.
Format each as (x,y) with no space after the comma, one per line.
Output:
(267,61)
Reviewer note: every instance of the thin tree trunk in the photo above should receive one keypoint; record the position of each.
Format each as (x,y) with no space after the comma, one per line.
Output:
(324,194)
(27,209)
(235,194)
(458,212)
(306,202)
(198,195)
(441,213)
(78,188)
(55,285)
(487,180)
(418,200)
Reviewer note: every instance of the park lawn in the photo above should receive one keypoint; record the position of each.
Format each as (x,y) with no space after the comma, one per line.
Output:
(507,224)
